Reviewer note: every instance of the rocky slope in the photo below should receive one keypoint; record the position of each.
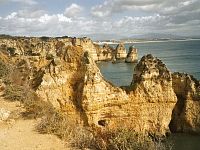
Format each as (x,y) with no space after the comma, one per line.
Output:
(63,72)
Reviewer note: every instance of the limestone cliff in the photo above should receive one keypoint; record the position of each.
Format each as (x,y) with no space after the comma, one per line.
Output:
(148,106)
(186,114)
(120,52)
(152,90)
(132,56)
(101,101)
(63,72)
(104,53)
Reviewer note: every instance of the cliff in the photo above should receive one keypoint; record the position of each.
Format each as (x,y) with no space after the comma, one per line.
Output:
(186,116)
(141,108)
(63,71)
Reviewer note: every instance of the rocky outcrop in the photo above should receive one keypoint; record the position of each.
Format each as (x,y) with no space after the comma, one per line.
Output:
(102,102)
(141,109)
(89,46)
(120,52)
(152,91)
(132,56)
(65,74)
(104,53)
(186,114)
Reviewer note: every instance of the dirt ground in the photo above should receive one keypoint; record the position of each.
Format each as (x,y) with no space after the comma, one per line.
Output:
(17,133)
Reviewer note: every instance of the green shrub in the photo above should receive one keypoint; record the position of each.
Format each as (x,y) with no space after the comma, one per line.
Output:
(11,50)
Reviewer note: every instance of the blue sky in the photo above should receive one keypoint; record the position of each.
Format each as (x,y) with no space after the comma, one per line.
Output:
(83,17)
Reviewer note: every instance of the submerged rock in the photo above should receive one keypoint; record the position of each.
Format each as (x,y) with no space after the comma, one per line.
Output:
(132,56)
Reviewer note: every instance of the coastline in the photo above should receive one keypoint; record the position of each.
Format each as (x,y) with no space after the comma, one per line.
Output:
(150,41)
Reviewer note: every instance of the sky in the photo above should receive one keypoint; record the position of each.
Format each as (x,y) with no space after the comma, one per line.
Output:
(84,17)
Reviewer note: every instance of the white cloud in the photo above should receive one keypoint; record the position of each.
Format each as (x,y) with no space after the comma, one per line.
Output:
(29,12)
(28,2)
(73,10)
(46,24)
(110,7)
(45,18)
(169,16)
(11,16)
(63,18)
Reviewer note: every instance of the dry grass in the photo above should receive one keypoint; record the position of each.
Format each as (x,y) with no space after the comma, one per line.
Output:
(16,89)
(59,124)
(82,137)
(4,70)
(128,139)
(34,106)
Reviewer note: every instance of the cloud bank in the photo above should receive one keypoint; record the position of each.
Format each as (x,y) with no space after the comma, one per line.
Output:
(123,17)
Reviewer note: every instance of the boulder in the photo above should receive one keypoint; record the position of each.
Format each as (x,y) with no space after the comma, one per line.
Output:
(4,114)
(132,55)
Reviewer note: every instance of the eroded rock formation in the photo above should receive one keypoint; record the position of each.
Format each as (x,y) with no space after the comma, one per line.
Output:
(120,52)
(141,109)
(132,56)
(104,53)
(186,114)
(65,74)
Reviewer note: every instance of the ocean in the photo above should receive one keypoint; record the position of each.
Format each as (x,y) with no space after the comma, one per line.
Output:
(179,56)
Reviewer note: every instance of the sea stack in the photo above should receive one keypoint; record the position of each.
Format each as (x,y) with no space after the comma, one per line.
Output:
(120,51)
(132,56)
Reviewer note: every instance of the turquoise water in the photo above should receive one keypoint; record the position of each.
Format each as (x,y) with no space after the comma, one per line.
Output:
(179,56)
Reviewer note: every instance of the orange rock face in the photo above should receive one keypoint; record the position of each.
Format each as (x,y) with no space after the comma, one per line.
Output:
(64,73)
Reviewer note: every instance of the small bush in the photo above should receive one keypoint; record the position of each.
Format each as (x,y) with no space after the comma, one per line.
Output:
(59,124)
(15,93)
(55,123)
(11,51)
(127,139)
(4,70)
